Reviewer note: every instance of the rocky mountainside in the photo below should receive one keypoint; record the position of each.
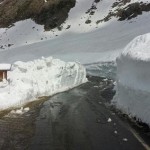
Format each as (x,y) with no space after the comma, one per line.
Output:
(126,9)
(50,13)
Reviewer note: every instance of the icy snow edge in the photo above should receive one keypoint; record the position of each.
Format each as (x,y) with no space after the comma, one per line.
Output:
(27,81)
(133,79)
(138,48)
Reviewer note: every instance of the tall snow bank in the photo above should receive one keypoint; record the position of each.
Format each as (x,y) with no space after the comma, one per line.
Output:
(133,79)
(42,77)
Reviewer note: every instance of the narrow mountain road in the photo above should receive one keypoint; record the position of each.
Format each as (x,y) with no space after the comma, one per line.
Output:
(79,119)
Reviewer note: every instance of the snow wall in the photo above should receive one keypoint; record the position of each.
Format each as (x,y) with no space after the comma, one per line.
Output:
(133,79)
(27,81)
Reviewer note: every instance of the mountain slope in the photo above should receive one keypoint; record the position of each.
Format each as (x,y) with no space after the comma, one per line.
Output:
(80,38)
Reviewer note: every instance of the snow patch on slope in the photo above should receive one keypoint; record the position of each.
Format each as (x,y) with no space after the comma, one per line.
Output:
(27,31)
(133,79)
(42,77)
(103,44)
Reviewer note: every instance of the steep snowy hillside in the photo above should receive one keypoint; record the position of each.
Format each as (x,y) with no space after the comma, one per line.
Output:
(86,16)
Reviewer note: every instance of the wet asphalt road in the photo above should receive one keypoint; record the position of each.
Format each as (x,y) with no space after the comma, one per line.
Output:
(79,119)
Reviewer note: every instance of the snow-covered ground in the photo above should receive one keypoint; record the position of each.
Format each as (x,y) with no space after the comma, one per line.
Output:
(133,79)
(27,81)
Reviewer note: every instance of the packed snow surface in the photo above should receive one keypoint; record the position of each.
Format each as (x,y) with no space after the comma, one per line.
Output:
(139,48)
(27,81)
(133,79)
(5,66)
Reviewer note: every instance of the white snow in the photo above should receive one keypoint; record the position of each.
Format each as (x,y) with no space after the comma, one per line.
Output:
(19,111)
(27,31)
(133,79)
(27,81)
(5,66)
(125,139)
(109,120)
(26,109)
(139,48)
(14,113)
